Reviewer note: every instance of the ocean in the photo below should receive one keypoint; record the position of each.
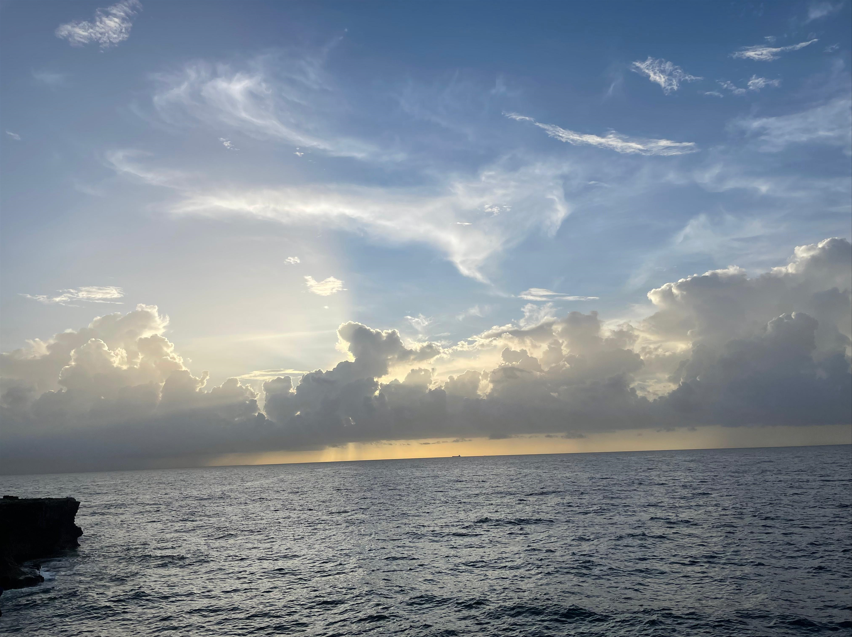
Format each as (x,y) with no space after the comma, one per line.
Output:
(716,542)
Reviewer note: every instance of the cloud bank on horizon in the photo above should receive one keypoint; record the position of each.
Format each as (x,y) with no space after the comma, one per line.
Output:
(721,348)
(498,207)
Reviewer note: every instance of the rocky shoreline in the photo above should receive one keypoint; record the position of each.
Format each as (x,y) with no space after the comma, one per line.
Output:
(30,529)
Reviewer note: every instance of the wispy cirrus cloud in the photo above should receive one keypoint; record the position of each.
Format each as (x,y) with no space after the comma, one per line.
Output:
(543,294)
(763,53)
(531,197)
(759,83)
(818,10)
(612,141)
(664,73)
(88,294)
(14,136)
(326,287)
(50,79)
(109,27)
(829,124)
(279,97)
(730,86)
(420,323)
(755,85)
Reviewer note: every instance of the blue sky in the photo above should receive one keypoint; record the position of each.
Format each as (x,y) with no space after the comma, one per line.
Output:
(436,168)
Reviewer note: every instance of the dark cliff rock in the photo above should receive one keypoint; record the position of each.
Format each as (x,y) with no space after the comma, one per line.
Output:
(33,528)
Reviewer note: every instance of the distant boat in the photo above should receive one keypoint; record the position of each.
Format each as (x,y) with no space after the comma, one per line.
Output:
(458,456)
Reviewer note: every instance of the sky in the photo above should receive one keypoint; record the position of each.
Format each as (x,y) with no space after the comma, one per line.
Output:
(290,231)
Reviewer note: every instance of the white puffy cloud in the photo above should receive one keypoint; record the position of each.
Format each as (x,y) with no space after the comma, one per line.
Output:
(612,141)
(292,260)
(720,348)
(664,73)
(115,389)
(110,26)
(89,294)
(763,53)
(326,287)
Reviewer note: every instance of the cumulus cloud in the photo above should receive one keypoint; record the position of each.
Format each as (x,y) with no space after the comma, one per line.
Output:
(664,73)
(87,294)
(326,287)
(719,348)
(113,392)
(14,136)
(612,141)
(227,144)
(110,26)
(292,260)
(543,294)
(762,53)
(829,124)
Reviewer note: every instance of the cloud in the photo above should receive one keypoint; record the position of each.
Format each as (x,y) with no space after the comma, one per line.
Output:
(292,260)
(542,294)
(476,310)
(730,86)
(227,144)
(755,84)
(110,26)
(758,83)
(831,48)
(419,322)
(88,294)
(713,94)
(14,136)
(278,97)
(664,73)
(818,10)
(49,79)
(326,287)
(612,141)
(718,348)
(829,124)
(530,195)
(762,53)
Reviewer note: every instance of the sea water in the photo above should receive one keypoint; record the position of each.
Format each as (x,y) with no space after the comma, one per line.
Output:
(723,542)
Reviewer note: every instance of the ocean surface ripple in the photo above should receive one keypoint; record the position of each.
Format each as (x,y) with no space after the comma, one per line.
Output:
(725,542)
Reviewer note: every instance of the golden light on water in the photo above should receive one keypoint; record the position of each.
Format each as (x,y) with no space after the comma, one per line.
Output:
(637,440)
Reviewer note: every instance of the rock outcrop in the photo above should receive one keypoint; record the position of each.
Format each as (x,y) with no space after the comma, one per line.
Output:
(33,528)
